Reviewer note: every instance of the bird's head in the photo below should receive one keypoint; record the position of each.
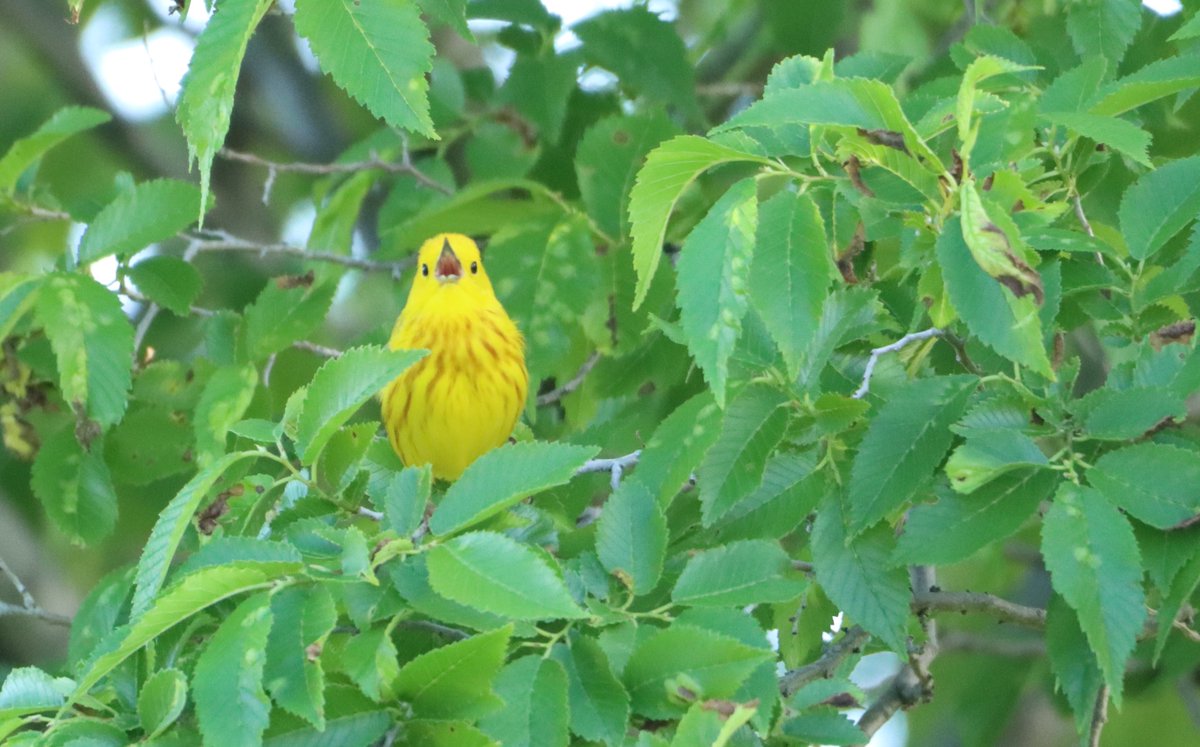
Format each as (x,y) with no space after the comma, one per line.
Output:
(450,264)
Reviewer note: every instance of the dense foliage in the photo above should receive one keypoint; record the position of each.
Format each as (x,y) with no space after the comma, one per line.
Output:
(880,335)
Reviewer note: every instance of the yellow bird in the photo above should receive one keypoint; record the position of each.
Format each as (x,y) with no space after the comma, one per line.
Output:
(464,397)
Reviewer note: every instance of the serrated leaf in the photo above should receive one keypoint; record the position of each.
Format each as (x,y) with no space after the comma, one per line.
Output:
(1118,415)
(1155,483)
(753,426)
(716,664)
(904,444)
(791,272)
(161,700)
(438,733)
(597,701)
(987,454)
(92,341)
(1005,323)
(1103,27)
(493,573)
(1073,662)
(455,681)
(823,726)
(227,685)
(206,99)
(227,549)
(353,721)
(993,249)
(981,68)
(303,616)
(168,281)
(631,536)
(191,595)
(645,52)
(712,278)
(146,214)
(281,316)
(789,491)
(504,476)
(1093,559)
(848,314)
(411,579)
(98,615)
(534,691)
(29,689)
(25,151)
(1124,137)
(858,575)
(340,387)
(957,526)
(1154,81)
(378,51)
(737,574)
(1181,590)
(1159,205)
(608,158)
(678,445)
(370,660)
(450,12)
(75,487)
(225,399)
(168,531)
(661,181)
(539,87)
(709,723)
(405,498)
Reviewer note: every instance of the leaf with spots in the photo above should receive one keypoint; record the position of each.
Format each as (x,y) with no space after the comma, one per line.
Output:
(75,488)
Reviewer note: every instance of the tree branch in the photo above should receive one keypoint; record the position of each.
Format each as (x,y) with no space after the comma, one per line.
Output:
(900,344)
(827,665)
(222,241)
(554,395)
(373,163)
(935,600)
(615,466)
(29,606)
(1099,717)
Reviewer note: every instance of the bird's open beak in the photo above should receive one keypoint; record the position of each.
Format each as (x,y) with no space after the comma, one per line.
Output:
(449,269)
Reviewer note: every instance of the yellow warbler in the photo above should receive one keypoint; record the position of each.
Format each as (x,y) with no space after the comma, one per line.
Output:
(464,397)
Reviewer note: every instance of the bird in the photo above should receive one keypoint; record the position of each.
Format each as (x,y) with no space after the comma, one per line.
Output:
(465,396)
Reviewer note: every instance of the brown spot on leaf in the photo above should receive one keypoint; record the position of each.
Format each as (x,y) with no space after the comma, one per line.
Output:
(852,170)
(287,282)
(886,138)
(1180,332)
(620,137)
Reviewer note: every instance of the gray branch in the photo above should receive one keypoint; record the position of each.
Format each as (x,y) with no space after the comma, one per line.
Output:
(29,606)
(900,344)
(615,467)
(827,665)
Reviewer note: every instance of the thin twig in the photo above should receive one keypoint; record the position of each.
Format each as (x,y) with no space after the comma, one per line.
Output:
(369,513)
(29,606)
(895,346)
(373,163)
(1077,201)
(321,350)
(554,395)
(222,241)
(615,466)
(825,667)
(965,601)
(442,630)
(1099,717)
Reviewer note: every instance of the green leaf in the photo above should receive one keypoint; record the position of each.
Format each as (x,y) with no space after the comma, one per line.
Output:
(92,341)
(432,733)
(737,574)
(1104,27)
(534,691)
(539,87)
(225,550)
(168,531)
(1124,137)
(370,660)
(1159,205)
(1155,483)
(168,281)
(1074,90)
(405,499)
(858,575)
(823,726)
(411,579)
(161,701)
(146,214)
(192,594)
(98,615)
(1118,415)
(631,537)
(598,703)
(713,275)
(715,664)
(340,387)
(1005,323)
(851,103)
(754,425)
(645,53)
(1182,588)
(668,171)
(679,443)
(25,151)
(496,574)
(29,690)
(304,616)
(1073,663)
(282,315)
(707,723)
(378,51)
(352,721)
(206,99)
(453,13)
(981,69)
(1189,30)
(455,681)
(1154,81)
(993,249)
(227,685)
(503,477)
(789,491)
(75,487)
(987,454)
(791,272)
(225,399)
(608,158)
(904,443)
(848,314)
(957,526)
(1093,559)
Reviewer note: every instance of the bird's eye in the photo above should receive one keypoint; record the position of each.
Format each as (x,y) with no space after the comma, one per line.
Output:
(425,270)
(474,267)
